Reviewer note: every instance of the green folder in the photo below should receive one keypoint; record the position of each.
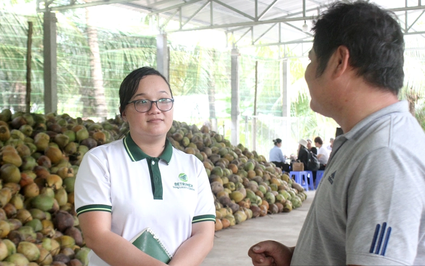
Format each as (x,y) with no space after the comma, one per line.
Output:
(149,243)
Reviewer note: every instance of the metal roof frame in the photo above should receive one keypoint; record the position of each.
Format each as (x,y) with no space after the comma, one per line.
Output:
(254,22)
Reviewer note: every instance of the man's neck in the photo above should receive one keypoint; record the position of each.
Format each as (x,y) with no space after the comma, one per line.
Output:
(362,102)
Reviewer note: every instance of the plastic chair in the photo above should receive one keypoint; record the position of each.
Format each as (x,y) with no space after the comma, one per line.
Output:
(319,175)
(310,180)
(301,177)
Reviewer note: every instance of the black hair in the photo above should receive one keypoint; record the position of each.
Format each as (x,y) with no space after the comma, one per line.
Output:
(277,141)
(372,36)
(338,132)
(318,140)
(131,82)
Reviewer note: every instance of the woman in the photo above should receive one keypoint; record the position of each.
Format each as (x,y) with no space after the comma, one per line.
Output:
(276,156)
(303,153)
(141,181)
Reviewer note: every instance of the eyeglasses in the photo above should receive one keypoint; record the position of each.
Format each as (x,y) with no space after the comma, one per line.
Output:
(143,106)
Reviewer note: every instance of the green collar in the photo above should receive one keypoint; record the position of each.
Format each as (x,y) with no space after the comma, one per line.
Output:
(136,154)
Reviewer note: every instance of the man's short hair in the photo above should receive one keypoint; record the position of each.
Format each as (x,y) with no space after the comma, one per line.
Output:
(318,140)
(373,37)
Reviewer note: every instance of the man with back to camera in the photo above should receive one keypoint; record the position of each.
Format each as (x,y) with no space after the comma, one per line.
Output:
(369,208)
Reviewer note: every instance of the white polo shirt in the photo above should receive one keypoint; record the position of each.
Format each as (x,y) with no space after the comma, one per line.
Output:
(167,194)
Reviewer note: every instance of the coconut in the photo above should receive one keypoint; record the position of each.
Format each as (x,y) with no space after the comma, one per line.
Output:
(81,134)
(62,258)
(31,190)
(4,252)
(23,150)
(216,187)
(67,251)
(14,223)
(11,247)
(48,228)
(54,154)
(66,241)
(61,196)
(37,214)
(287,206)
(27,177)
(45,257)
(81,255)
(28,233)
(54,181)
(63,220)
(75,233)
(29,250)
(62,140)
(41,141)
(4,133)
(18,259)
(35,224)
(42,202)
(225,222)
(10,173)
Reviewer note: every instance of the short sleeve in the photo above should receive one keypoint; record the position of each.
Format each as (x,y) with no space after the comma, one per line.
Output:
(384,211)
(205,208)
(92,185)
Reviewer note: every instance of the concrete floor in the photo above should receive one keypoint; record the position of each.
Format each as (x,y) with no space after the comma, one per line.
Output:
(231,245)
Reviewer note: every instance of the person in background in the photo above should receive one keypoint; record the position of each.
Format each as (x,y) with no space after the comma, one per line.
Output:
(141,181)
(359,214)
(322,153)
(303,153)
(276,156)
(310,146)
(331,142)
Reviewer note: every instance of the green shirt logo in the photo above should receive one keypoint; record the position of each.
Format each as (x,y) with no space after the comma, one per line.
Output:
(183,177)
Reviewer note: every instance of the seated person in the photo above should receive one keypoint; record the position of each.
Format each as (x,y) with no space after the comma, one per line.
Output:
(303,153)
(310,147)
(322,153)
(276,156)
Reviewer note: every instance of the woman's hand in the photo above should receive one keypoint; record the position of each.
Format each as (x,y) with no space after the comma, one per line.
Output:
(194,250)
(270,253)
(110,247)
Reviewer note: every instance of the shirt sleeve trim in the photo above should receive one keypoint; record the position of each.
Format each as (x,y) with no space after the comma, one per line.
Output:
(203,218)
(94,207)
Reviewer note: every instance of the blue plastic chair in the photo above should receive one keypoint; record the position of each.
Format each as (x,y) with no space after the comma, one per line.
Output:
(302,178)
(310,180)
(319,175)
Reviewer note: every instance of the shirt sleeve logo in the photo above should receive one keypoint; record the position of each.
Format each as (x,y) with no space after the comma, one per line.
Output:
(380,240)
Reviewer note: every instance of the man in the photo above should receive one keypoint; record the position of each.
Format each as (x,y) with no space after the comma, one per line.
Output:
(322,152)
(360,214)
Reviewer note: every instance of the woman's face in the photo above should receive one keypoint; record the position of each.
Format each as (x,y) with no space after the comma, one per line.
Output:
(153,123)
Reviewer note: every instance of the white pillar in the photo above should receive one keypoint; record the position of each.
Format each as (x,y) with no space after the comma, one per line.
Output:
(50,63)
(235,97)
(162,55)
(286,106)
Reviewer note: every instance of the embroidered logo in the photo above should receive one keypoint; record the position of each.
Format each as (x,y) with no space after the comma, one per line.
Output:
(183,177)
(183,183)
(331,178)
(380,239)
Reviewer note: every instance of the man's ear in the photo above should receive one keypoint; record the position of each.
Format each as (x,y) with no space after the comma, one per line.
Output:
(341,57)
